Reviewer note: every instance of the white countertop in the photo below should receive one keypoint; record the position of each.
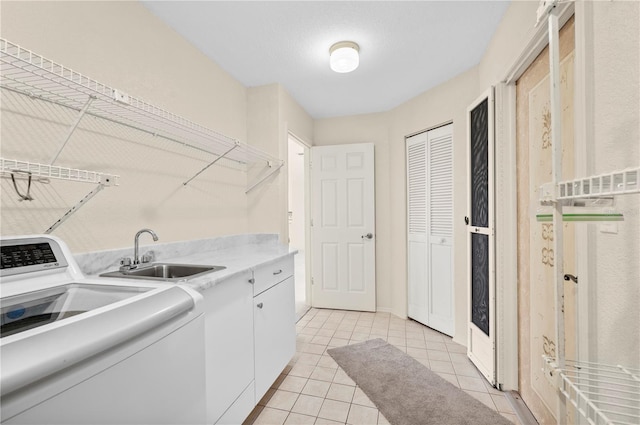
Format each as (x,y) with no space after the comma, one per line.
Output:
(236,260)
(237,253)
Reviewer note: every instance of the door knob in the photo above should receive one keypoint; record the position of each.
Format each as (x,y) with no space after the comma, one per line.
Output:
(259,305)
(466,220)
(368,236)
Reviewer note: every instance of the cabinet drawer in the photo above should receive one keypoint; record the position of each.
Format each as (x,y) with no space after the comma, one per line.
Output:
(268,275)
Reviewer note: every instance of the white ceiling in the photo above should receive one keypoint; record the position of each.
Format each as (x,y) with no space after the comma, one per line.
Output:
(405,47)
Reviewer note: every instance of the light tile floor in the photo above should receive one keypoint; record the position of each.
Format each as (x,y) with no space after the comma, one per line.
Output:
(313,389)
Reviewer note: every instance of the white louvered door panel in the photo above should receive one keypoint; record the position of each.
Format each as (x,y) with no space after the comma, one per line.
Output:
(430,228)
(417,183)
(417,226)
(440,229)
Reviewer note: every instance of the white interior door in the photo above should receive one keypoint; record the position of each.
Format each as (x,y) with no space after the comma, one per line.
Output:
(430,229)
(343,227)
(480,225)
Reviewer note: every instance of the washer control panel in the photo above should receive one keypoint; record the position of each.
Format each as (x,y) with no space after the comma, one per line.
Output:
(27,255)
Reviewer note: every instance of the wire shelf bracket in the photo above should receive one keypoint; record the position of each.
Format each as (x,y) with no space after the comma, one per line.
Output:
(212,162)
(74,208)
(73,127)
(266,176)
(43,173)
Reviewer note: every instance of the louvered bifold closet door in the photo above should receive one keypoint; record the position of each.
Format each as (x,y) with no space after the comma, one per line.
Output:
(430,228)
(440,228)
(417,227)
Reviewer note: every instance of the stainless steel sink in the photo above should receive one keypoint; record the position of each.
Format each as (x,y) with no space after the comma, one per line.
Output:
(164,271)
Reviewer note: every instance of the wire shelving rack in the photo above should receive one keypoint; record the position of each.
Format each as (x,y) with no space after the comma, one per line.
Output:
(46,172)
(602,394)
(43,173)
(28,73)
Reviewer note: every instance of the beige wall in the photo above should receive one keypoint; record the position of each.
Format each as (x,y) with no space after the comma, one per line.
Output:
(141,56)
(294,120)
(616,145)
(272,115)
(264,130)
(510,38)
(123,45)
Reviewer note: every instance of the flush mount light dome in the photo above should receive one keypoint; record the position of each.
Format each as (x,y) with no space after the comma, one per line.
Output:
(343,56)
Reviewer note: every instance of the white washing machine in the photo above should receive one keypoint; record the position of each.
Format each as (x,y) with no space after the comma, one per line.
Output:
(75,350)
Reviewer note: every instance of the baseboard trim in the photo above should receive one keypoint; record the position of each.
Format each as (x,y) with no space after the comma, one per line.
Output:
(383,309)
(520,408)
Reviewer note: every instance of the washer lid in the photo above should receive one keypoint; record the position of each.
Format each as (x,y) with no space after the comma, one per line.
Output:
(32,355)
(30,310)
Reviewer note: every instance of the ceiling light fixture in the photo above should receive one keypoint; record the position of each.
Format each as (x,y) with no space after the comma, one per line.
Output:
(343,56)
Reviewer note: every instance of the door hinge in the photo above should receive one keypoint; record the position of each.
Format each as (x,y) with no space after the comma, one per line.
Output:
(312,280)
(311,222)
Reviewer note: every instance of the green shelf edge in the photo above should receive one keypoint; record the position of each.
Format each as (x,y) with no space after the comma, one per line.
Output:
(581,217)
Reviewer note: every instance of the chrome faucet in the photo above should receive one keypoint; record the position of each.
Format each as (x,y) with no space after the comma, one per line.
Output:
(136,259)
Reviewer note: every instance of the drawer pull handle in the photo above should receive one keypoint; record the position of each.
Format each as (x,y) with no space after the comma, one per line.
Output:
(278,272)
(260,305)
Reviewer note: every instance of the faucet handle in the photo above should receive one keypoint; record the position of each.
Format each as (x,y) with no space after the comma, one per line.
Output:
(148,257)
(125,263)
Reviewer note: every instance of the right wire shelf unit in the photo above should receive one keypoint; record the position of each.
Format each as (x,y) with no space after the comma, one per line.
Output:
(601,394)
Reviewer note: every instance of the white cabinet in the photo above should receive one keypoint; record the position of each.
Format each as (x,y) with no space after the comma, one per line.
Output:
(274,322)
(250,338)
(229,347)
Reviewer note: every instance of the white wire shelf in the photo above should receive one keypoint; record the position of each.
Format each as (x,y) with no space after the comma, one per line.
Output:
(43,173)
(603,394)
(26,72)
(620,182)
(46,172)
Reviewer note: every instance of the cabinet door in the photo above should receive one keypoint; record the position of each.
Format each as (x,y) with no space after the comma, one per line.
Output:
(228,343)
(275,333)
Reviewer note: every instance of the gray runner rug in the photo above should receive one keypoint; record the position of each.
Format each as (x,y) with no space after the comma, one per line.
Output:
(408,393)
